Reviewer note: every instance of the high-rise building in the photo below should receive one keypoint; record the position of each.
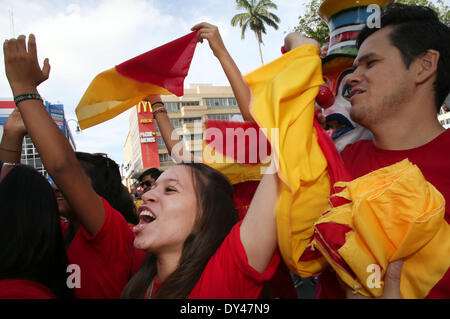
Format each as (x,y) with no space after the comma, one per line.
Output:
(144,146)
(30,155)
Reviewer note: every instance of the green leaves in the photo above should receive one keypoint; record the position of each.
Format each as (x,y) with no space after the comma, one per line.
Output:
(256,17)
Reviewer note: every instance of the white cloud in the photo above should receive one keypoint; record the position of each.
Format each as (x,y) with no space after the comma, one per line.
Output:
(85,37)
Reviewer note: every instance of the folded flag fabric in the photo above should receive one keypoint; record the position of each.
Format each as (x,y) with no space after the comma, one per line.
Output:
(284,92)
(393,213)
(241,152)
(159,71)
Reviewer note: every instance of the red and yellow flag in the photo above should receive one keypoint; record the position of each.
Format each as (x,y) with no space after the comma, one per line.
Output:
(159,71)
(392,213)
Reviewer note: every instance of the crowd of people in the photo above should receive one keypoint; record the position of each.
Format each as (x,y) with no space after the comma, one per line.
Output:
(184,238)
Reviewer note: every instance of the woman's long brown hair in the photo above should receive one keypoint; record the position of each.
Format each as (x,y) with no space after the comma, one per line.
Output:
(217,215)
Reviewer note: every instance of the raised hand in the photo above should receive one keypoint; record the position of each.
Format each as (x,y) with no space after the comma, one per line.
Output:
(15,125)
(21,65)
(211,33)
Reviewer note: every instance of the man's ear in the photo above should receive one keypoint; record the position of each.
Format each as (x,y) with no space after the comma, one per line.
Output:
(427,65)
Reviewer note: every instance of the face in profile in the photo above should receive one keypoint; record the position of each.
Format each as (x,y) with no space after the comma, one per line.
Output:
(381,84)
(168,213)
(146,183)
(63,206)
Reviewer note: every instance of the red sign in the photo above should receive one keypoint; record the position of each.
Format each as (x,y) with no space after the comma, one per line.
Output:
(147,135)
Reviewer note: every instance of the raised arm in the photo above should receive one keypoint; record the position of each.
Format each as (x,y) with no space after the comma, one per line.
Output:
(24,75)
(168,133)
(12,139)
(240,89)
(259,230)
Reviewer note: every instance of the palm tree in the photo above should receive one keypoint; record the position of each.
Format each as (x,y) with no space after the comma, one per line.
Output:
(257,15)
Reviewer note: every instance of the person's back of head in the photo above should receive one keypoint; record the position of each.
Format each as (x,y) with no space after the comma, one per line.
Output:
(417,29)
(107,182)
(31,244)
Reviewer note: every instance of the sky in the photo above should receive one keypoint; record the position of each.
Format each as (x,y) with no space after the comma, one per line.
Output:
(83,38)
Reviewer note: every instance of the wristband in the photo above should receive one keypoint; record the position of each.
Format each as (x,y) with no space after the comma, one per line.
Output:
(159,110)
(157,102)
(27,96)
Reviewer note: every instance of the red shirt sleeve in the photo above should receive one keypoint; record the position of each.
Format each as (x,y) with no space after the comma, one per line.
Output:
(107,260)
(228,274)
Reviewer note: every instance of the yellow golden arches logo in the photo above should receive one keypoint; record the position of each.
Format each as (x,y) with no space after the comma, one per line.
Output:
(144,104)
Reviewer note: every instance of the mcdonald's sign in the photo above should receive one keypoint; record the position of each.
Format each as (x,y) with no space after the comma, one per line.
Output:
(144,105)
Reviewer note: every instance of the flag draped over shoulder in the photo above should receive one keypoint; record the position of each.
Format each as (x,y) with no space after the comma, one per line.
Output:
(159,71)
(283,93)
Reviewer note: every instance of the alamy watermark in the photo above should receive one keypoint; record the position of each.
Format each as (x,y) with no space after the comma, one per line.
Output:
(374,19)
(235,145)
(74,279)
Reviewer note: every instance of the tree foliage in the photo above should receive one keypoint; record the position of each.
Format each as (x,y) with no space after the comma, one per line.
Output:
(314,27)
(255,17)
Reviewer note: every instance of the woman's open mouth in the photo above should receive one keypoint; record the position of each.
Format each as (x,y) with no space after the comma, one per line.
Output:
(147,216)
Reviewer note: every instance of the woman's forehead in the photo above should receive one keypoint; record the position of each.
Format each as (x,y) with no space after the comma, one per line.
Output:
(179,174)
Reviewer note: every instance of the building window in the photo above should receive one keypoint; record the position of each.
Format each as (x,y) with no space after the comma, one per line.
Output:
(172,107)
(222,117)
(164,157)
(175,122)
(192,137)
(160,141)
(190,103)
(192,120)
(220,103)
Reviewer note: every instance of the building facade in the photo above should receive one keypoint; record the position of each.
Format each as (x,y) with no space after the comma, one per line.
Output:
(30,155)
(144,146)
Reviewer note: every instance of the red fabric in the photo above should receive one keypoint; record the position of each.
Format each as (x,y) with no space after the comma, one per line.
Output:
(331,238)
(432,158)
(344,37)
(243,143)
(242,196)
(281,284)
(336,169)
(228,274)
(107,260)
(24,289)
(166,66)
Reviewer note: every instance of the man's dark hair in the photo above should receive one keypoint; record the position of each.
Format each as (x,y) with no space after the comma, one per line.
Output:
(153,172)
(415,30)
(107,182)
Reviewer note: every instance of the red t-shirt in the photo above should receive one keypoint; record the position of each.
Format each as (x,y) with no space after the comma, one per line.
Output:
(228,274)
(24,289)
(107,260)
(432,158)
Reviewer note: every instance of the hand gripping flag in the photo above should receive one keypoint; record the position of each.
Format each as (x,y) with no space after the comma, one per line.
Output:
(159,71)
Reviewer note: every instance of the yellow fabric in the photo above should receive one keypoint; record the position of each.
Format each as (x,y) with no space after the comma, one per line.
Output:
(284,92)
(110,94)
(234,171)
(394,214)
(138,203)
